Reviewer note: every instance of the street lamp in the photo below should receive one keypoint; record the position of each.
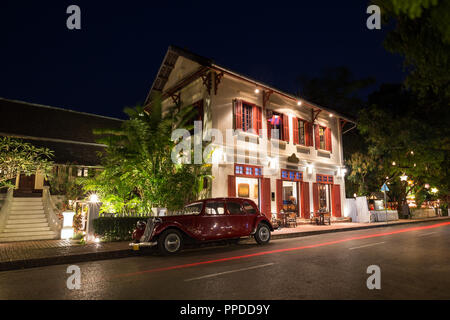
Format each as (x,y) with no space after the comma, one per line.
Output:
(93,198)
(404,177)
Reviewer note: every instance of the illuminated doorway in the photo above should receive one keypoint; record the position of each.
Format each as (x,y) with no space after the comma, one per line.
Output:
(291,201)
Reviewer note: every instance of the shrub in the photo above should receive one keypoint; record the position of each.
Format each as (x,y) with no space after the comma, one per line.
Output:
(116,229)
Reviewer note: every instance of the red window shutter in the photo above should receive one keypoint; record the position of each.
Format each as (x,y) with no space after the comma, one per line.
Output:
(336,200)
(237,114)
(269,127)
(317,136)
(285,127)
(265,198)
(295,130)
(279,195)
(305,200)
(316,196)
(308,134)
(257,118)
(232,186)
(328,141)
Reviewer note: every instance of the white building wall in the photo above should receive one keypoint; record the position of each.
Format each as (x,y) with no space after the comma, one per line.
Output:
(219,115)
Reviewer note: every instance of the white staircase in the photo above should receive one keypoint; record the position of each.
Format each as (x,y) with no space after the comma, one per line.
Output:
(26,221)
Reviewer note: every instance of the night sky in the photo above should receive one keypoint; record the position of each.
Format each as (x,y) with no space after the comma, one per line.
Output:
(111,62)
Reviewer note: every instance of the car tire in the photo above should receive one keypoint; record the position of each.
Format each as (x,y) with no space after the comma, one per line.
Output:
(170,242)
(262,235)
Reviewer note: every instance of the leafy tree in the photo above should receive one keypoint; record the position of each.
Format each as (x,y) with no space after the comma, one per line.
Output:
(422,36)
(361,174)
(403,144)
(139,173)
(18,157)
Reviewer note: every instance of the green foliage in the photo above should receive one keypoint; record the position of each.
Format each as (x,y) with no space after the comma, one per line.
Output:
(406,141)
(139,173)
(362,167)
(18,157)
(116,229)
(422,36)
(62,183)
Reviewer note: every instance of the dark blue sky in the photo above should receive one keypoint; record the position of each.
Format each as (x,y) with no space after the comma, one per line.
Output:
(112,61)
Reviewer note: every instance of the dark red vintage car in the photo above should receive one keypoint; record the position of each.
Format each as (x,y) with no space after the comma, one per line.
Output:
(204,220)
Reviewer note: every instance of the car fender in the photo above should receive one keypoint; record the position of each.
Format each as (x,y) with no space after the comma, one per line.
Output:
(160,228)
(263,219)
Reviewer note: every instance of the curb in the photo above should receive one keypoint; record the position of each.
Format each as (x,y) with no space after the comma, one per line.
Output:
(125,253)
(75,258)
(315,232)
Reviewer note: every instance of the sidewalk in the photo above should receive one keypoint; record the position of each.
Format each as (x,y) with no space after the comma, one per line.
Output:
(30,254)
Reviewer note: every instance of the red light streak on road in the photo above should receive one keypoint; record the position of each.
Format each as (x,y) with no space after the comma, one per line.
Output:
(189,265)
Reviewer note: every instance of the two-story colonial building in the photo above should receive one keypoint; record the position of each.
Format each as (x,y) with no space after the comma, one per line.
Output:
(300,168)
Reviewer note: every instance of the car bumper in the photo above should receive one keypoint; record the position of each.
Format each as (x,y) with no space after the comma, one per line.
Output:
(137,246)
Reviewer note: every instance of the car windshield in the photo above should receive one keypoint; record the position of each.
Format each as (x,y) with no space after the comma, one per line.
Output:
(192,209)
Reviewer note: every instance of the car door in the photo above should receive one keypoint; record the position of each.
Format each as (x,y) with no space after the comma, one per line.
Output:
(190,215)
(238,219)
(213,223)
(252,212)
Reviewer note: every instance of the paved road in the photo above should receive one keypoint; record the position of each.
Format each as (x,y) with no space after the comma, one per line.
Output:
(414,262)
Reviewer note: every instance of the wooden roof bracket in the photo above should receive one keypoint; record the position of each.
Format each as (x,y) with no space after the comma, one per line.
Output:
(266,97)
(207,81)
(314,114)
(217,79)
(176,98)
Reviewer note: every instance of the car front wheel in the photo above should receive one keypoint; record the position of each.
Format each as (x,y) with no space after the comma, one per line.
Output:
(170,242)
(262,235)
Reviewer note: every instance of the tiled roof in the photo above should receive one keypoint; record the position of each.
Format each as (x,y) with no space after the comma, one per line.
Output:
(68,133)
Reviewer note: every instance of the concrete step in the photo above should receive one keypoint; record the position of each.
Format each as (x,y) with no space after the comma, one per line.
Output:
(26,225)
(26,221)
(8,231)
(26,200)
(26,212)
(26,216)
(26,238)
(27,207)
(28,233)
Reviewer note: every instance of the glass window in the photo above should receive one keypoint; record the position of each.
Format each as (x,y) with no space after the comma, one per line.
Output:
(249,208)
(323,197)
(215,208)
(276,123)
(301,132)
(322,137)
(234,208)
(247,117)
(193,209)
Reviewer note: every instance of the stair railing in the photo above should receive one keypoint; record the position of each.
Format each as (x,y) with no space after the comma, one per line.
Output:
(5,208)
(54,222)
